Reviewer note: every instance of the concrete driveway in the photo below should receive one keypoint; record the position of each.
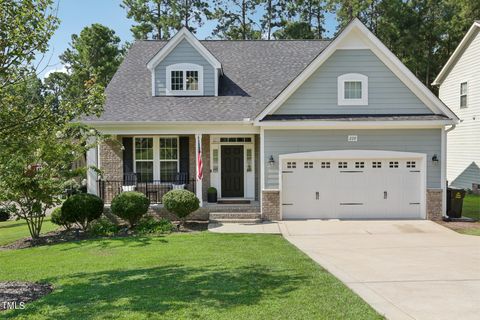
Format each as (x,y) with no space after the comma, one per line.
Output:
(404,269)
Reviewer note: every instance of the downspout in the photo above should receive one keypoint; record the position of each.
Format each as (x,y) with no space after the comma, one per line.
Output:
(444,168)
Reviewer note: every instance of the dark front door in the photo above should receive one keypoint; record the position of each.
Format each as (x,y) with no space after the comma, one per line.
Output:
(232,171)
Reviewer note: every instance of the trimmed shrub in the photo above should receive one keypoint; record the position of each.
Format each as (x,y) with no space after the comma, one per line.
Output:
(130,206)
(103,227)
(4,213)
(58,218)
(82,209)
(181,202)
(149,224)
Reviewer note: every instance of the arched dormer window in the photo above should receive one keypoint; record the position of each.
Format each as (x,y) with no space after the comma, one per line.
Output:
(184,79)
(352,89)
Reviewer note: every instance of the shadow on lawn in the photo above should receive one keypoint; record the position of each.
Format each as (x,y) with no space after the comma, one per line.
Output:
(118,241)
(154,291)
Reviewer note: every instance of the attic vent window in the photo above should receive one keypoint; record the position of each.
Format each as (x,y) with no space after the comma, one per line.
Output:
(184,79)
(352,89)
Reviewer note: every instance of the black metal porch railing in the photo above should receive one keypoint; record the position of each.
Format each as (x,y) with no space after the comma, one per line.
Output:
(153,189)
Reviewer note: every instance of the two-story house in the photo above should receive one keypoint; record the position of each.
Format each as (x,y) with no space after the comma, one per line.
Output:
(291,129)
(459,83)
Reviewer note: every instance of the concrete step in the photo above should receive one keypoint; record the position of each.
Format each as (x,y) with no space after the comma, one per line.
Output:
(228,208)
(235,217)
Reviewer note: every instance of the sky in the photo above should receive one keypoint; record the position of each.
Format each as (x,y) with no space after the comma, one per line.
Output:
(74,15)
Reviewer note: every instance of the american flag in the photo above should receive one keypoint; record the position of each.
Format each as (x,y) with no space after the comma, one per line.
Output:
(199,160)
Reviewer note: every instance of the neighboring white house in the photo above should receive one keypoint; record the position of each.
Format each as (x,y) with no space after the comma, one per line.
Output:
(459,83)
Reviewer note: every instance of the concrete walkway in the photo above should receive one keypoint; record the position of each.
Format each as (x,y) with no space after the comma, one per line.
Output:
(404,269)
(264,227)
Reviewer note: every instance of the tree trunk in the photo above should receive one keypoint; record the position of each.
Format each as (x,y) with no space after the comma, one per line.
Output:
(269,21)
(244,18)
(187,13)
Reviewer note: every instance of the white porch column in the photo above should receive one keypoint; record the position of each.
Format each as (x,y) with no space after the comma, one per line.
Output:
(198,148)
(92,161)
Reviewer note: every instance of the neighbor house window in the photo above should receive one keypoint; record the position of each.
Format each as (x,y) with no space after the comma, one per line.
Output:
(352,89)
(463,94)
(144,159)
(156,158)
(184,79)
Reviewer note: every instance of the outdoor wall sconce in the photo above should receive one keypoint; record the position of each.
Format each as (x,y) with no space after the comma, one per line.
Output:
(271,161)
(435,159)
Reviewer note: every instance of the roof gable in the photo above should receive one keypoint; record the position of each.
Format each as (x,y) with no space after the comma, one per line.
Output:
(183,34)
(467,39)
(357,36)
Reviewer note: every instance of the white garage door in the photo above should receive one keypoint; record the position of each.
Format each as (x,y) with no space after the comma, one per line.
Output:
(352,188)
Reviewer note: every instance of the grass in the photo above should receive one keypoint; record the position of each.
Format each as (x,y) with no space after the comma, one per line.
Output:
(471,206)
(181,276)
(11,231)
(471,231)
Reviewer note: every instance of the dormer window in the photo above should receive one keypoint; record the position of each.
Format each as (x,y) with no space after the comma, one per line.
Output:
(184,79)
(352,89)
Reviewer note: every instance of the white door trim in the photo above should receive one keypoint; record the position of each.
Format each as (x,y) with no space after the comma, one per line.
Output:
(216,177)
(360,154)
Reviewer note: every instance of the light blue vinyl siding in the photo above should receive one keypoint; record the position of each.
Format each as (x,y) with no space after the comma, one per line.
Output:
(408,140)
(185,53)
(386,93)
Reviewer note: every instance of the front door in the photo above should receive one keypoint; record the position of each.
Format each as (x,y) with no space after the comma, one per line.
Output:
(232,171)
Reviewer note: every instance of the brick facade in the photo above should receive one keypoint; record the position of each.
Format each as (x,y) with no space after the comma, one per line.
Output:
(271,205)
(111,159)
(434,204)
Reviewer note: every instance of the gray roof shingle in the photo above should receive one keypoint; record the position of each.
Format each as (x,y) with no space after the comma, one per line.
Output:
(255,72)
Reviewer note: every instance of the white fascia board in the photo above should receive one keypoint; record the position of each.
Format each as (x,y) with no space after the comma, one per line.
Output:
(382,52)
(176,128)
(353,154)
(456,54)
(184,33)
(328,125)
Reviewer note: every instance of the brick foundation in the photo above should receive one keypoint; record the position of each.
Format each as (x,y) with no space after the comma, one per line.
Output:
(271,205)
(434,204)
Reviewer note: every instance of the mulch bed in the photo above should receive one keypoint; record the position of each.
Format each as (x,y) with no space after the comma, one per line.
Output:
(458,226)
(14,294)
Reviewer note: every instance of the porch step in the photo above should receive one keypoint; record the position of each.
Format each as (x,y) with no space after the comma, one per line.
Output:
(233,202)
(235,217)
(233,208)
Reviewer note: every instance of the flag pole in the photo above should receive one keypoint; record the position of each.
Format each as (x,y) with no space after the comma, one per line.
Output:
(199,174)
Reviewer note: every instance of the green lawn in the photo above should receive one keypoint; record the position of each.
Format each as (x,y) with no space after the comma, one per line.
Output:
(11,231)
(471,206)
(181,276)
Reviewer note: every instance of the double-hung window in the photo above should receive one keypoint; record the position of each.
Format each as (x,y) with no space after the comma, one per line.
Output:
(463,94)
(184,79)
(168,158)
(156,158)
(352,89)
(144,159)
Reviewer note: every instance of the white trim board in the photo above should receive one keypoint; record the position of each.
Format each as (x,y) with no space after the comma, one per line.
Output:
(364,39)
(184,33)
(457,53)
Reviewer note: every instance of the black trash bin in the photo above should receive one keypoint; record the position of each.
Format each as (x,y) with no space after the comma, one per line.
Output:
(455,202)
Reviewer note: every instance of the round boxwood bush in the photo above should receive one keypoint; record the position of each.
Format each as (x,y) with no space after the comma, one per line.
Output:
(57,218)
(82,208)
(181,203)
(4,213)
(130,206)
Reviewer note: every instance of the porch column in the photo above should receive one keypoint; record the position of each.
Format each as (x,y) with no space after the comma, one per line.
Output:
(92,161)
(198,181)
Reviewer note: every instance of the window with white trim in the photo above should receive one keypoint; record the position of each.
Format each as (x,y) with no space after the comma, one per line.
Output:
(168,158)
(184,79)
(352,89)
(144,159)
(156,158)
(463,94)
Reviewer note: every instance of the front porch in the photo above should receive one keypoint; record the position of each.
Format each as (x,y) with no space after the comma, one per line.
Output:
(156,164)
